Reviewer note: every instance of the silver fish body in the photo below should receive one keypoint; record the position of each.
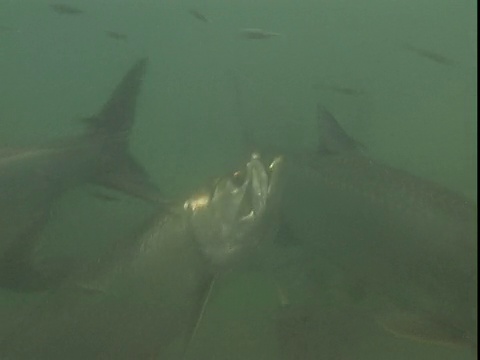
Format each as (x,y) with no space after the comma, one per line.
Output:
(405,243)
(33,179)
(148,292)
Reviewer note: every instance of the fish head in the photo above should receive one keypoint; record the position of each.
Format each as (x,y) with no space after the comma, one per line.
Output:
(233,216)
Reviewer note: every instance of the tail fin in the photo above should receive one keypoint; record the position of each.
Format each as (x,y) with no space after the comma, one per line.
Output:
(112,125)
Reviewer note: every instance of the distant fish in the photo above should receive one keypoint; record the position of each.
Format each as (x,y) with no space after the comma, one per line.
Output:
(116,35)
(33,179)
(199,16)
(65,9)
(150,290)
(257,34)
(426,329)
(430,55)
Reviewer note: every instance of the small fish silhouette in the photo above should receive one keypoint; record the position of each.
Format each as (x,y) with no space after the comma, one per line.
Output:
(428,54)
(65,9)
(116,35)
(198,15)
(257,34)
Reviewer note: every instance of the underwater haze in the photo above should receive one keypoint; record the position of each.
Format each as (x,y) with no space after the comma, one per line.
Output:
(342,279)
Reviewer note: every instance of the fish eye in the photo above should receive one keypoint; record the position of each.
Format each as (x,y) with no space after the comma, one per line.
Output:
(238,178)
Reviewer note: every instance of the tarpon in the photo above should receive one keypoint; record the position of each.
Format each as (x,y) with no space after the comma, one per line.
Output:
(148,293)
(33,179)
(406,243)
(198,15)
(257,34)
(116,35)
(428,54)
(65,9)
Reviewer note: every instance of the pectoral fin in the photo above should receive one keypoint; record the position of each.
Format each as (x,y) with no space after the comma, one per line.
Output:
(197,315)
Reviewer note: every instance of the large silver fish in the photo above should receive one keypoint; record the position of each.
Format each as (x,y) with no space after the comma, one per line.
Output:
(150,290)
(33,179)
(406,244)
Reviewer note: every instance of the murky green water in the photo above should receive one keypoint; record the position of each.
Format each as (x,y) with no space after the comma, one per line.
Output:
(369,62)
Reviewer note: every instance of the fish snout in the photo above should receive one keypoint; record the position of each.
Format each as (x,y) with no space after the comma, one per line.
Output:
(228,220)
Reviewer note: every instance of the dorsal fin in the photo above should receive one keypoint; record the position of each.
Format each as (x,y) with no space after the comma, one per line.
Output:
(118,113)
(113,124)
(332,137)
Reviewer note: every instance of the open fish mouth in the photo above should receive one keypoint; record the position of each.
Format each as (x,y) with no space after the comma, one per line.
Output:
(228,220)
